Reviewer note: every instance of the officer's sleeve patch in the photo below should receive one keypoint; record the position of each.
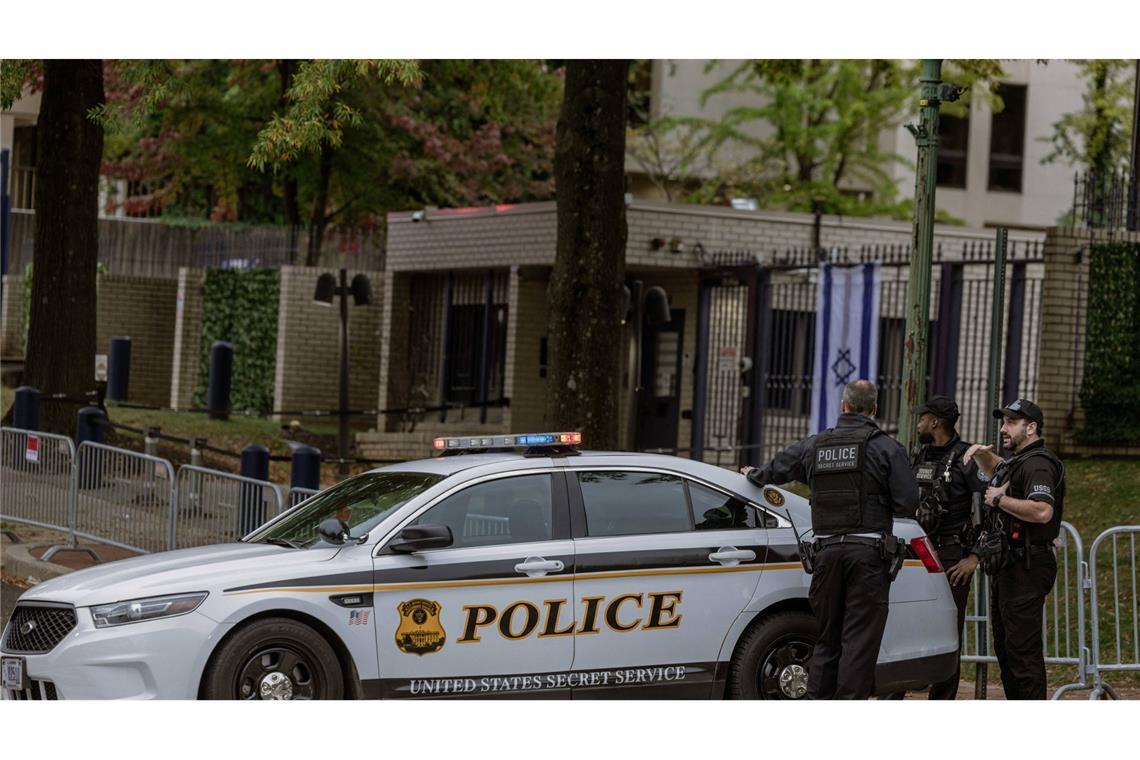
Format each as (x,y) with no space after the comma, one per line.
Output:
(1041,492)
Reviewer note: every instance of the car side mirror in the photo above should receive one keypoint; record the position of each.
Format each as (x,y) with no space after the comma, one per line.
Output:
(333,531)
(416,538)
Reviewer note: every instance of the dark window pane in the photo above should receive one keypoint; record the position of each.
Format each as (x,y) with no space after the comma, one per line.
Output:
(713,510)
(504,511)
(1007,140)
(621,503)
(953,143)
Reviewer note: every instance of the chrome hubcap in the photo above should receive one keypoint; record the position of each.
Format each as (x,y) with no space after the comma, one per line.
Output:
(276,686)
(793,681)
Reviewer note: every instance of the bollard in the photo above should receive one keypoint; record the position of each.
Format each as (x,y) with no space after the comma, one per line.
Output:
(221,375)
(196,445)
(254,464)
(119,368)
(90,426)
(306,468)
(150,441)
(26,409)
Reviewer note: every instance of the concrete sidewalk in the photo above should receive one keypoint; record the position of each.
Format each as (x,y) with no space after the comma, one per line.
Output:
(23,559)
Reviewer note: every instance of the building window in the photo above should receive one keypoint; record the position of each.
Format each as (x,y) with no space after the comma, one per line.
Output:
(1007,140)
(953,141)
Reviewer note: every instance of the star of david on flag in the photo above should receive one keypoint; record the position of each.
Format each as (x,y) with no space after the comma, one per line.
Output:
(846,336)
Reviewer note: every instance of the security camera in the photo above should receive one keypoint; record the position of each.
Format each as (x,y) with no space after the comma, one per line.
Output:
(418,216)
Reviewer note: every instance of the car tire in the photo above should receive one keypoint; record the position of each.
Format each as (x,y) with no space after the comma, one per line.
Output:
(771,658)
(274,658)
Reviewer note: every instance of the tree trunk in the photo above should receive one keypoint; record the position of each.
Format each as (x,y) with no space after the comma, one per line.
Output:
(319,218)
(61,331)
(584,319)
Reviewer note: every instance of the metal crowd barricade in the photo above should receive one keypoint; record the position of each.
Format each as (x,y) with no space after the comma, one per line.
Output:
(123,498)
(1121,610)
(36,479)
(1063,628)
(298,495)
(218,507)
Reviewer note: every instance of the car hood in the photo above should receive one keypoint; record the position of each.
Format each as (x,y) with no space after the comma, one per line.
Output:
(203,568)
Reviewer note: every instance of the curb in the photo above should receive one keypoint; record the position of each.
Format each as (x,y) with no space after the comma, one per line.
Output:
(17,561)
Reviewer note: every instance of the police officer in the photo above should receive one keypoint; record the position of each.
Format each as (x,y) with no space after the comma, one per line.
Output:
(860,479)
(947,485)
(1026,495)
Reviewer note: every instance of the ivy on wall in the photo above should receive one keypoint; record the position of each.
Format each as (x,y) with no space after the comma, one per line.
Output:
(240,306)
(1110,391)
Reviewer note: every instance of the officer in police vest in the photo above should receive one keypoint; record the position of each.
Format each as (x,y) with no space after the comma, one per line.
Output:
(1026,499)
(860,480)
(947,486)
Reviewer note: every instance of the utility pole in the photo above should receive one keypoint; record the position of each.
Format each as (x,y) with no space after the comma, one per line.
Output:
(918,288)
(1133,214)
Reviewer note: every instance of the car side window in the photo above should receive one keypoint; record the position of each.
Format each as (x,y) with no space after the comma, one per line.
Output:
(509,510)
(624,503)
(714,510)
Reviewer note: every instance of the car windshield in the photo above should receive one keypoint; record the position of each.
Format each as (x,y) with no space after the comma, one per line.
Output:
(361,503)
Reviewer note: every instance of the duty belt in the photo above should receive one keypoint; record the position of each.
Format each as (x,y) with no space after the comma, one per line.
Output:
(846,539)
(940,541)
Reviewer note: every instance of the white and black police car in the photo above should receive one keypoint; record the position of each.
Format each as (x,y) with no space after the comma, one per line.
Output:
(512,566)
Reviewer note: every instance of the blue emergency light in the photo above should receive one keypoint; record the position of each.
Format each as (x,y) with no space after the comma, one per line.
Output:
(466,443)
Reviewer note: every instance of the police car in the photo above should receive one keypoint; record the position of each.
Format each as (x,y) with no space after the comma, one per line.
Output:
(511,566)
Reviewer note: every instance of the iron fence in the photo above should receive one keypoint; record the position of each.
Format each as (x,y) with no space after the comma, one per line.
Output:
(219,507)
(1106,200)
(757,327)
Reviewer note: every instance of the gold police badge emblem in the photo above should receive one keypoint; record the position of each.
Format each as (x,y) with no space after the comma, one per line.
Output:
(774,497)
(420,631)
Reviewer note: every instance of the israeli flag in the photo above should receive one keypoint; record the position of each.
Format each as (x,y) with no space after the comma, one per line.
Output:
(846,336)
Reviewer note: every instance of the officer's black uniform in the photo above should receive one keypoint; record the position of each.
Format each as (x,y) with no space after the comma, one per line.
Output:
(860,480)
(1029,566)
(946,511)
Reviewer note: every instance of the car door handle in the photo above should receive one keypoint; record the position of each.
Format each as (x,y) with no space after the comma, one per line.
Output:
(730,556)
(535,567)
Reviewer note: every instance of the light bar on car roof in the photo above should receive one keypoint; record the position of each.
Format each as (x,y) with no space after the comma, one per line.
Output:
(507,441)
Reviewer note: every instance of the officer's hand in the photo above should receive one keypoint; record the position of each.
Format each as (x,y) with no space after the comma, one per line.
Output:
(970,452)
(746,469)
(993,491)
(960,574)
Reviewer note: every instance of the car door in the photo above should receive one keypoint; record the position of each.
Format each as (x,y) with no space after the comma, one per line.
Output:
(492,614)
(664,565)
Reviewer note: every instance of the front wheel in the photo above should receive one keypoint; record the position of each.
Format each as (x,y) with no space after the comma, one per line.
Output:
(274,658)
(771,659)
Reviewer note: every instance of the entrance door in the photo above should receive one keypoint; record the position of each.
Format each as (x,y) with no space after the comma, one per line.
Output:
(660,404)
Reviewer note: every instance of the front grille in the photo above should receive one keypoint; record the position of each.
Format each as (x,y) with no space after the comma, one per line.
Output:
(48,624)
(35,689)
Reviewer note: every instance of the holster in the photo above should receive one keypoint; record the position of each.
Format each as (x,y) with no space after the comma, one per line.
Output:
(894,550)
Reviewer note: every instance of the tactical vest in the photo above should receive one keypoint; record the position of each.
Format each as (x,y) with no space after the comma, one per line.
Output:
(1017,530)
(843,498)
(934,480)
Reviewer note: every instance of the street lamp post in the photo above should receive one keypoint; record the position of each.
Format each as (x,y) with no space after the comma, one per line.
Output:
(361,291)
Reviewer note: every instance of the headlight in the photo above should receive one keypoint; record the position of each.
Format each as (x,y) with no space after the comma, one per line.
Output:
(138,610)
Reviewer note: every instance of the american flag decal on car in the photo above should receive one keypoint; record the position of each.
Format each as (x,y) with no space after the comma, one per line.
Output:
(358,617)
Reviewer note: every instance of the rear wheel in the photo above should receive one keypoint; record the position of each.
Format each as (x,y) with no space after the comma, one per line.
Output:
(274,658)
(771,659)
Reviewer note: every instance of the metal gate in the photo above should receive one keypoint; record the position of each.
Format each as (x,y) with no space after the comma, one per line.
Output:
(756,341)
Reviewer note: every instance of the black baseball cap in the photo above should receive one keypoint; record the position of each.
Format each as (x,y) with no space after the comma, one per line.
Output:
(1022,409)
(939,406)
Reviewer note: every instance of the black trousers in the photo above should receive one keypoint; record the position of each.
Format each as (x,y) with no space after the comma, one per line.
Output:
(850,596)
(1017,600)
(949,555)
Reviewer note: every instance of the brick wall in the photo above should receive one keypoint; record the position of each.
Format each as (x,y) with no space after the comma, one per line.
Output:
(187,337)
(1063,324)
(11,339)
(142,309)
(525,330)
(308,345)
